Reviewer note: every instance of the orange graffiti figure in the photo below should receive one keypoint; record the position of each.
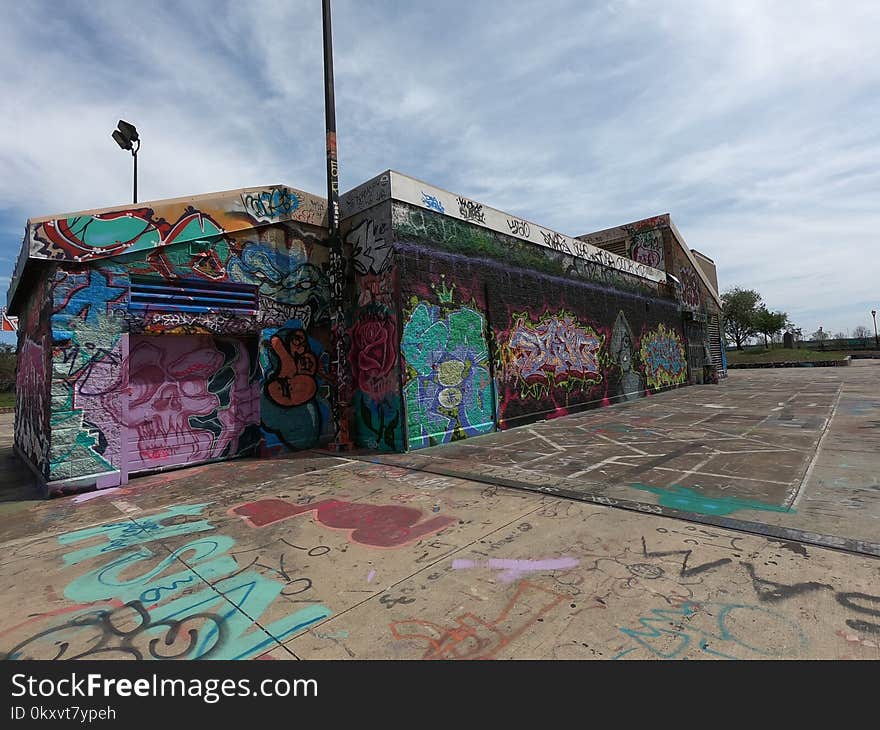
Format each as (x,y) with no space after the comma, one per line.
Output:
(475,638)
(294,382)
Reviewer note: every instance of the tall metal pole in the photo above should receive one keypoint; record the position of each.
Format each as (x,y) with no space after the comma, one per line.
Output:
(341,390)
(134,153)
(876,338)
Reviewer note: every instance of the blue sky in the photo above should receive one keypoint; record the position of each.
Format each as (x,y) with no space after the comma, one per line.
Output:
(753,123)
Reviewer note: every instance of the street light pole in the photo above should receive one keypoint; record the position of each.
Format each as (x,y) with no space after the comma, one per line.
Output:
(339,339)
(876,339)
(127,138)
(134,153)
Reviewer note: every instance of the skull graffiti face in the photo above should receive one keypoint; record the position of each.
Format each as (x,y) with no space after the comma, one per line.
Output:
(168,383)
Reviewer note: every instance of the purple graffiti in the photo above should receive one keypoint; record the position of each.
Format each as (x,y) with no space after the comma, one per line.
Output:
(555,352)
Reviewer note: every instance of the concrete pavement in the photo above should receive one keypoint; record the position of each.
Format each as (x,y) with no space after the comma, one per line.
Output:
(325,556)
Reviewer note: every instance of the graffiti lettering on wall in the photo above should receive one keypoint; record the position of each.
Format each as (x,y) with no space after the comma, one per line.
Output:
(375,289)
(690,287)
(518,227)
(555,352)
(448,389)
(381,526)
(663,358)
(556,241)
(471,211)
(86,237)
(269,205)
(622,351)
(475,638)
(366,195)
(191,399)
(138,604)
(647,248)
(432,202)
(220,323)
(295,405)
(372,254)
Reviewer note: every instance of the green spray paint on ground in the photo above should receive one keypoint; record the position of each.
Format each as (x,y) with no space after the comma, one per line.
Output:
(687,500)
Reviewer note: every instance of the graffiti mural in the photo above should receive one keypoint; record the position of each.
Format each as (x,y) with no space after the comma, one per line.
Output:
(87,358)
(663,358)
(31,401)
(373,361)
(555,352)
(374,351)
(448,390)
(133,601)
(622,354)
(647,248)
(372,253)
(270,205)
(690,287)
(295,405)
(85,237)
(191,399)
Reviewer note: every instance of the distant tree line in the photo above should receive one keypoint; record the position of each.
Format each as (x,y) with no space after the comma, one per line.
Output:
(747,317)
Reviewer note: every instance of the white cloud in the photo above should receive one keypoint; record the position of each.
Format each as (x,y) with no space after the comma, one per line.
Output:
(752,123)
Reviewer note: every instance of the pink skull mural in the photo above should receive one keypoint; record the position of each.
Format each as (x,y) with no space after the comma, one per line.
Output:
(191,399)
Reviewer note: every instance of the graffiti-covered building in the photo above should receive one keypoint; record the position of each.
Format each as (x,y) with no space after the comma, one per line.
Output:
(196,329)
(657,242)
(171,333)
(469,319)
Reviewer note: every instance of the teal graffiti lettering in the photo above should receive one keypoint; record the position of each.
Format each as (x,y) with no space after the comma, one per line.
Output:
(680,624)
(244,595)
(105,582)
(120,535)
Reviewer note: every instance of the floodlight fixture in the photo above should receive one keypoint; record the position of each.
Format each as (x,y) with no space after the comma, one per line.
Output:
(126,136)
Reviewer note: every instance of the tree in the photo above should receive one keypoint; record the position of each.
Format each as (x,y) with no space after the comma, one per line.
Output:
(769,323)
(7,366)
(861,333)
(740,307)
(820,337)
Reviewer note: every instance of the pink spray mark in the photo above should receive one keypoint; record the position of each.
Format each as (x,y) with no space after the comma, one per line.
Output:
(515,569)
(94,495)
(371,575)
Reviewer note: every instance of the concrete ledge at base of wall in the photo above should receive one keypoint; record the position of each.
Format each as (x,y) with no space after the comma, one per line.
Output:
(8,409)
(790,364)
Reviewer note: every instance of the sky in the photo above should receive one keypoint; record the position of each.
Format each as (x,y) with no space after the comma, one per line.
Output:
(754,123)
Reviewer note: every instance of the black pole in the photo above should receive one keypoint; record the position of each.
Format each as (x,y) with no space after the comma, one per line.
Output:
(339,340)
(134,154)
